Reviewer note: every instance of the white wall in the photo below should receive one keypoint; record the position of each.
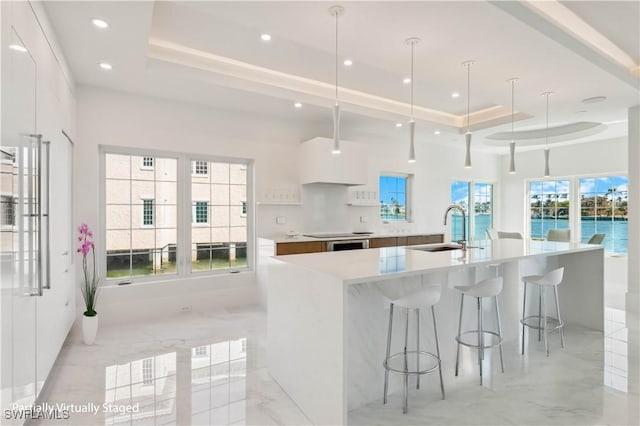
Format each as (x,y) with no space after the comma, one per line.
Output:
(113,118)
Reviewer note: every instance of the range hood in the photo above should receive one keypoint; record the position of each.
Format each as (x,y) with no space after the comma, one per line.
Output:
(319,165)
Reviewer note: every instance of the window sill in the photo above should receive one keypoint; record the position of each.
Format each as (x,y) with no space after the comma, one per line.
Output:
(170,279)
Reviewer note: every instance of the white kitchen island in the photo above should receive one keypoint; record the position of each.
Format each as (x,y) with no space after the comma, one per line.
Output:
(328,312)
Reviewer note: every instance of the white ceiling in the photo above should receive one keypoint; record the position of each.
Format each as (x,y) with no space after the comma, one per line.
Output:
(206,37)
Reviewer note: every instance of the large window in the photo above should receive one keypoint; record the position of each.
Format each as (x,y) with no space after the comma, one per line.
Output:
(604,209)
(140,216)
(223,243)
(479,211)
(145,234)
(550,206)
(394,197)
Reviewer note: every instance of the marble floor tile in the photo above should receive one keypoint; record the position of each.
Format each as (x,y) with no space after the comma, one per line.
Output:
(200,369)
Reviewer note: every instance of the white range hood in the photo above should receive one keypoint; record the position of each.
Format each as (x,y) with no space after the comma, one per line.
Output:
(319,165)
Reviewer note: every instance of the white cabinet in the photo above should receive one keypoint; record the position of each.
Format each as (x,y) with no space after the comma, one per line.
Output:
(37,294)
(319,165)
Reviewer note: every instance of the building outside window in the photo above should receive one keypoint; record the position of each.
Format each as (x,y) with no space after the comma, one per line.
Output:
(200,168)
(8,210)
(147,371)
(147,162)
(479,212)
(604,210)
(147,212)
(201,212)
(550,206)
(243,209)
(395,194)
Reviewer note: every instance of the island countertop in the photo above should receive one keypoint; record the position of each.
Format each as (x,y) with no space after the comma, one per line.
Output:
(357,266)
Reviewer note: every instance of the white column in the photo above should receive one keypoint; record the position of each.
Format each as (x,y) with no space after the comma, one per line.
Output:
(633,289)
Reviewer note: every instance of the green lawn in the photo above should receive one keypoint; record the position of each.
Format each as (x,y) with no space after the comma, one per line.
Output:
(170,268)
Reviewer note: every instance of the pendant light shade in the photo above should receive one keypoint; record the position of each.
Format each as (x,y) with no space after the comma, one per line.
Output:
(412,124)
(336,12)
(547,171)
(336,129)
(512,144)
(512,158)
(467,136)
(467,158)
(412,148)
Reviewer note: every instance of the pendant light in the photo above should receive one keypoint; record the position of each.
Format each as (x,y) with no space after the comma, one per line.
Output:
(512,144)
(547,173)
(467,136)
(412,124)
(336,11)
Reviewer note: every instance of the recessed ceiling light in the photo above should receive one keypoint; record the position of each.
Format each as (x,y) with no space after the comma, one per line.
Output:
(265,37)
(348,62)
(398,124)
(437,132)
(594,99)
(297,105)
(105,66)
(455,95)
(406,80)
(100,23)
(18,48)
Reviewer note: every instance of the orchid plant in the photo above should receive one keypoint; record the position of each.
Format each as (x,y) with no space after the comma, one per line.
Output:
(91,281)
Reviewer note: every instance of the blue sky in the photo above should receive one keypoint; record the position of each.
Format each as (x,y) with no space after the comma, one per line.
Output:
(393,187)
(602,184)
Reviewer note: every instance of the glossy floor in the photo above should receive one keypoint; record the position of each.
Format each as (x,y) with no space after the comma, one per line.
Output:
(211,369)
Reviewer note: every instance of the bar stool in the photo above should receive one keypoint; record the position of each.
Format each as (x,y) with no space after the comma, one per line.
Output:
(398,363)
(550,279)
(489,287)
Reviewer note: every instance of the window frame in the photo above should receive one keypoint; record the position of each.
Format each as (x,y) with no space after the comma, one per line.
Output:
(471,217)
(183,220)
(410,177)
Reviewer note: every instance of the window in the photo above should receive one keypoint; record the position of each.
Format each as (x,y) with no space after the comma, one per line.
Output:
(550,205)
(479,212)
(201,351)
(140,216)
(147,371)
(143,236)
(8,210)
(223,243)
(394,197)
(147,212)
(200,212)
(200,168)
(604,210)
(147,162)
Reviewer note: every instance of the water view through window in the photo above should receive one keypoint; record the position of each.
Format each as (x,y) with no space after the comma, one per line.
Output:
(393,198)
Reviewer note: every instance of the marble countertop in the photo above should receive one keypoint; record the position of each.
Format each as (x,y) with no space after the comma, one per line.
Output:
(301,238)
(356,266)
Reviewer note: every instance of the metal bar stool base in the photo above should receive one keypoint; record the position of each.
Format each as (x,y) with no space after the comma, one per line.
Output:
(555,323)
(395,363)
(487,336)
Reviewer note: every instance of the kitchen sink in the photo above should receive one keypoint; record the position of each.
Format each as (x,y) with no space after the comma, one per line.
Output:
(439,247)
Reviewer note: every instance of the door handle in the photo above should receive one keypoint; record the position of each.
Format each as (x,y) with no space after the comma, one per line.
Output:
(45,215)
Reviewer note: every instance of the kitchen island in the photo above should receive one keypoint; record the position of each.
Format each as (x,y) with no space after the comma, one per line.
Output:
(328,312)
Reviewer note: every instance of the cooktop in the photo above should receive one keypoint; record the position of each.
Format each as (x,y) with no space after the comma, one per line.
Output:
(338,235)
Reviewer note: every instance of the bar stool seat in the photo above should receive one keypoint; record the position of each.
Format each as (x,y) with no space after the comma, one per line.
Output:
(541,321)
(402,363)
(485,339)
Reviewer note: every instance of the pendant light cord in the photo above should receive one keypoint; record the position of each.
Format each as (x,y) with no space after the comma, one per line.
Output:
(412,45)
(337,57)
(513,82)
(468,97)
(546,133)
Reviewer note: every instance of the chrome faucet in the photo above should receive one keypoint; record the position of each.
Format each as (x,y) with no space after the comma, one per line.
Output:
(463,241)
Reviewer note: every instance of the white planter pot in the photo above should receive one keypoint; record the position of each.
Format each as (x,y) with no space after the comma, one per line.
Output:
(89,329)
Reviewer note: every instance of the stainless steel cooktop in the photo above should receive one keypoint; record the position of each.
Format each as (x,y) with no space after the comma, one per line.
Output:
(339,235)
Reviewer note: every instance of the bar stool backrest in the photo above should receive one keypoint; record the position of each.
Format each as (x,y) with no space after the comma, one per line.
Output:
(510,235)
(492,234)
(553,277)
(596,239)
(486,288)
(560,235)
